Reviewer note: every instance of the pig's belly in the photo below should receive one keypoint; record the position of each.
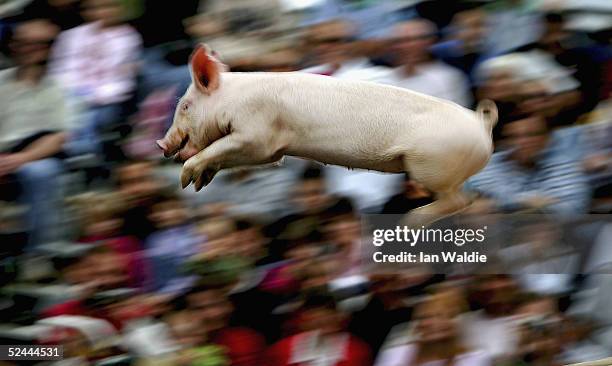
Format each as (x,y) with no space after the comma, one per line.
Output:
(374,161)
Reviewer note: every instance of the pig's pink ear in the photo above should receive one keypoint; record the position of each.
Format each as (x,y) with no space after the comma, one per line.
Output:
(205,70)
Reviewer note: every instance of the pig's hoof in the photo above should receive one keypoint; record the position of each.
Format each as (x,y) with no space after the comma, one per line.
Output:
(199,183)
(204,179)
(185,182)
(186,177)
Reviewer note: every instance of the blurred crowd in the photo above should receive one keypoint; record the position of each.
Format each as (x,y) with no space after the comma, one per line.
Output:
(101,252)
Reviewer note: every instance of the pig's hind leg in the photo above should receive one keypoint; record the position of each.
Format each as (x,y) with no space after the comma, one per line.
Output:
(445,204)
(445,182)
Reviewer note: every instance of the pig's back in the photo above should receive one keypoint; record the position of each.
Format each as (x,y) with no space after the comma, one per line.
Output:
(362,123)
(362,104)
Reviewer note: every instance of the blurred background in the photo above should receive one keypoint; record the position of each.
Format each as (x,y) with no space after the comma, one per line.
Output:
(101,252)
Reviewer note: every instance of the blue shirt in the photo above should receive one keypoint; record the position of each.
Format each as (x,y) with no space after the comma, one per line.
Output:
(167,251)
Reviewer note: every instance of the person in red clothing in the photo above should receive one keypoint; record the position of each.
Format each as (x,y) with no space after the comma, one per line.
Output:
(321,340)
(102,222)
(210,306)
(98,269)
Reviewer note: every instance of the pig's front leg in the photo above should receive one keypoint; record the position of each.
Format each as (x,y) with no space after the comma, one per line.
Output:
(227,152)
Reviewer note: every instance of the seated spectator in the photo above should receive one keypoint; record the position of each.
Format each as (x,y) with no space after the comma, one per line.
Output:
(578,62)
(301,246)
(335,52)
(310,195)
(465,48)
(138,187)
(102,221)
(83,339)
(437,338)
(542,337)
(34,119)
(168,248)
(531,173)
(389,305)
(97,63)
(210,307)
(541,259)
(417,70)
(414,195)
(492,326)
(343,229)
(191,338)
(321,338)
(533,81)
(99,270)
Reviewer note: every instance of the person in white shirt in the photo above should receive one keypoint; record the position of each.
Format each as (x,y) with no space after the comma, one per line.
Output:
(96,62)
(417,70)
(494,327)
(434,338)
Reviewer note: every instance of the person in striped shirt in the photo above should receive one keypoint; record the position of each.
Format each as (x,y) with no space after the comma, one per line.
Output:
(533,171)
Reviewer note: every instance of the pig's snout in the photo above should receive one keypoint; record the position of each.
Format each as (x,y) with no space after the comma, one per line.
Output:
(168,151)
(162,145)
(171,148)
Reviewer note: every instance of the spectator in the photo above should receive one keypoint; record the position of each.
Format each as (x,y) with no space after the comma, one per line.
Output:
(414,195)
(554,42)
(321,338)
(191,338)
(492,327)
(138,187)
(97,63)
(310,195)
(99,270)
(210,307)
(102,222)
(437,338)
(387,307)
(418,71)
(541,339)
(531,173)
(543,262)
(344,231)
(465,50)
(336,52)
(168,248)
(34,120)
